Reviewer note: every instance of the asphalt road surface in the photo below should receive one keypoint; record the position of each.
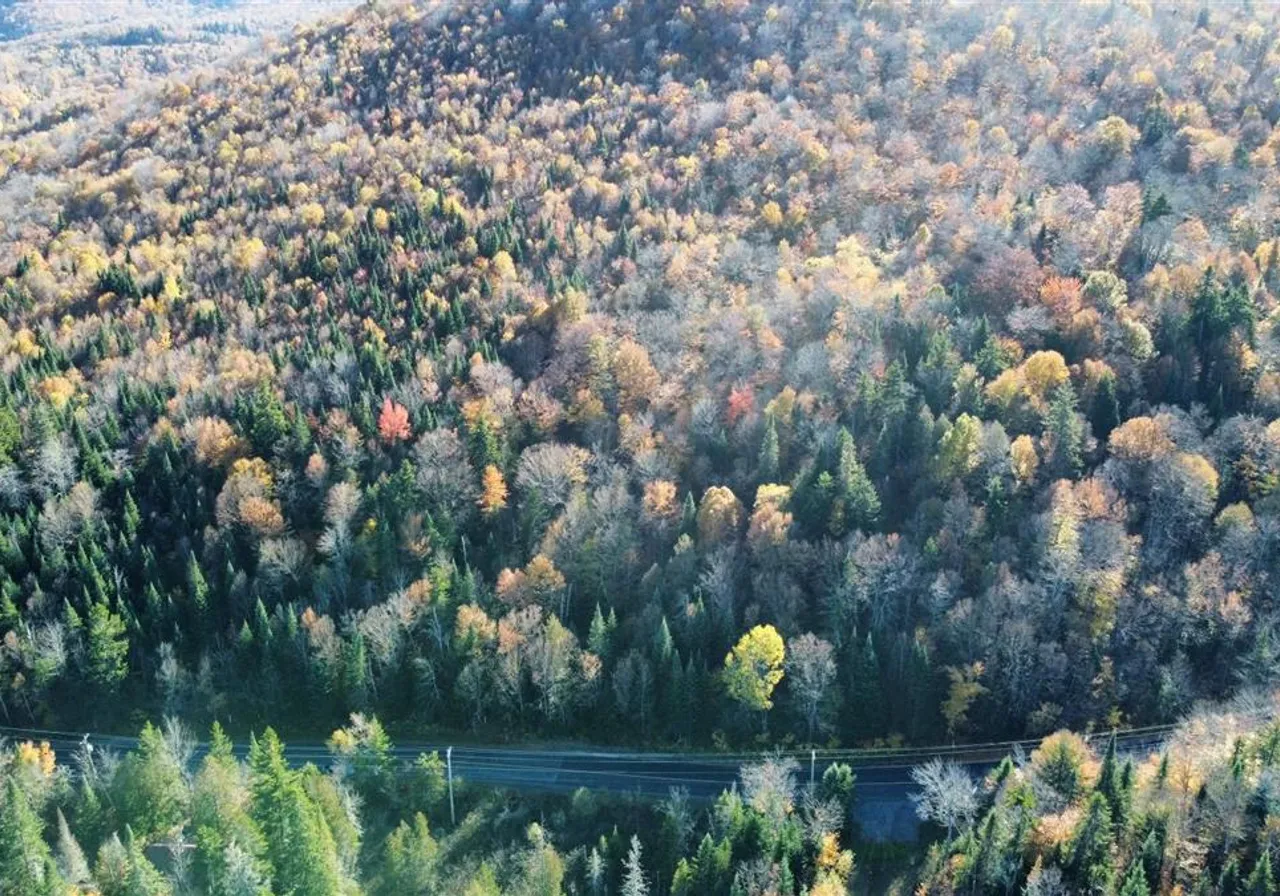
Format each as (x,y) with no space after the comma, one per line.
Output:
(882,802)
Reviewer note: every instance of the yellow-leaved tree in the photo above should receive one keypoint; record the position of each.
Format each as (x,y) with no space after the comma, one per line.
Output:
(753,669)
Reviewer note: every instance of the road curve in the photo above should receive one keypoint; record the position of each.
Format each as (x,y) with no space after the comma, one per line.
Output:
(883,805)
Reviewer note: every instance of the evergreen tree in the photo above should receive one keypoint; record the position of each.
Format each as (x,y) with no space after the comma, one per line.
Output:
(72,863)
(865,713)
(26,864)
(600,635)
(1261,882)
(1065,431)
(1230,881)
(90,815)
(299,845)
(106,650)
(1104,414)
(633,879)
(1089,852)
(149,790)
(143,878)
(859,504)
(227,838)
(197,589)
(1135,882)
(769,463)
(410,860)
(1152,854)
(1109,775)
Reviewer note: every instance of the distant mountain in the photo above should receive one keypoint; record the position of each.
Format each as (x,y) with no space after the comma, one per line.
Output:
(39,17)
(65,63)
(11,24)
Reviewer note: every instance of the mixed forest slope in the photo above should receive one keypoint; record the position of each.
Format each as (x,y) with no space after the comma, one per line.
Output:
(498,366)
(67,67)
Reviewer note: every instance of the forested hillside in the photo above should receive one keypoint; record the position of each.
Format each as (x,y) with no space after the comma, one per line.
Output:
(67,67)
(698,373)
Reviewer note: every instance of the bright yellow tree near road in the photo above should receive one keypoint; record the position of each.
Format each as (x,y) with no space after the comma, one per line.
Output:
(754,667)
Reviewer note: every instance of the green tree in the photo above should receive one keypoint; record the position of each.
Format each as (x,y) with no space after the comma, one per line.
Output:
(229,844)
(769,462)
(149,791)
(409,865)
(299,845)
(838,782)
(483,883)
(600,635)
(1065,432)
(1152,852)
(857,505)
(106,650)
(1135,882)
(26,864)
(197,588)
(958,448)
(1230,880)
(1104,414)
(72,863)
(1261,882)
(1089,852)
(426,785)
(124,870)
(543,869)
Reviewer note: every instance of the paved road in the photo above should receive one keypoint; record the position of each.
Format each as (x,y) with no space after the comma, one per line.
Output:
(883,804)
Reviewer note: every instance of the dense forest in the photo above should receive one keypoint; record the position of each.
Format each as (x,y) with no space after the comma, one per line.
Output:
(68,67)
(504,368)
(721,374)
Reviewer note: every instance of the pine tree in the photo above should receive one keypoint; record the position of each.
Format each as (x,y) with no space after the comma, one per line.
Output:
(1104,415)
(71,861)
(1109,776)
(1065,431)
(769,463)
(132,520)
(90,816)
(633,880)
(1152,854)
(300,846)
(663,645)
(106,650)
(1261,882)
(865,713)
(410,864)
(713,864)
(1089,853)
(149,790)
(595,872)
(197,588)
(861,504)
(26,864)
(1135,882)
(1230,881)
(143,878)
(600,635)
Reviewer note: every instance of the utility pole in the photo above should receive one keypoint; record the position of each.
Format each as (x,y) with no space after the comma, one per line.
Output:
(813,760)
(448,759)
